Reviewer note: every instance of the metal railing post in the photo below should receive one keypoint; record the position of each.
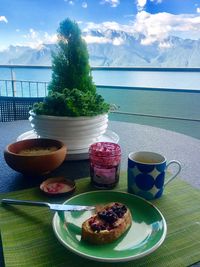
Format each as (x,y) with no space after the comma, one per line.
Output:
(13,82)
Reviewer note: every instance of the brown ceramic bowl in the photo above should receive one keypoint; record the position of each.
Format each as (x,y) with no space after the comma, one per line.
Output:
(35,156)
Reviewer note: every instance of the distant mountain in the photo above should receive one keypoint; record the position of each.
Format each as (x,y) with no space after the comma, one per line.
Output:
(117,48)
(27,56)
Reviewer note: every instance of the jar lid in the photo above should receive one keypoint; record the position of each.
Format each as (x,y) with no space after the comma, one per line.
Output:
(105,149)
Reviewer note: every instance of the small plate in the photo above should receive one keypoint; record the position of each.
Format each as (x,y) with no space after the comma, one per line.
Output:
(76,154)
(55,186)
(146,234)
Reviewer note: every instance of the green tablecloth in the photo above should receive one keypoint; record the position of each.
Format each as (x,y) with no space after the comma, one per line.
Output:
(28,238)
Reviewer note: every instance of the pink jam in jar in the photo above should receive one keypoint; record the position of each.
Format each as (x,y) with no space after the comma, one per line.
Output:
(105,160)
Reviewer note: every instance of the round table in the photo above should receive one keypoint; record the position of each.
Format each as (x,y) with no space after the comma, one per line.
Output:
(133,137)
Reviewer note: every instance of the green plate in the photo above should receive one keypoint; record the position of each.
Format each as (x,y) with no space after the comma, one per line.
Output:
(146,234)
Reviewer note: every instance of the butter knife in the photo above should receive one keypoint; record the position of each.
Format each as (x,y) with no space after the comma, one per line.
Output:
(55,207)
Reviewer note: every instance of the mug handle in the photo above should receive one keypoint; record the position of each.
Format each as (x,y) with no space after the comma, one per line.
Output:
(174,175)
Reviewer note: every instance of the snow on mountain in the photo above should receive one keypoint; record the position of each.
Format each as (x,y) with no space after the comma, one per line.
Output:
(116,48)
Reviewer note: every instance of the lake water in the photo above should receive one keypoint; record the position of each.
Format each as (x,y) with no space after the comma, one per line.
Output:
(176,104)
(151,79)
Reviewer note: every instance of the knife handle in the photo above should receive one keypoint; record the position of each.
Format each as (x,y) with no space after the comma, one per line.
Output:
(23,202)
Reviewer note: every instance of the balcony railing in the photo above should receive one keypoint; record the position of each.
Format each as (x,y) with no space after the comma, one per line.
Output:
(18,88)
(170,108)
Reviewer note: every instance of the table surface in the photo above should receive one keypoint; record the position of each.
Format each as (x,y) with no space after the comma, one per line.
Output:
(133,137)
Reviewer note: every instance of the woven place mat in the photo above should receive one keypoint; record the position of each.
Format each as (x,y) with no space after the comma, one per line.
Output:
(28,238)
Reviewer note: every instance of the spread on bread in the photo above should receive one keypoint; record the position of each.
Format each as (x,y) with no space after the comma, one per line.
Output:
(108,224)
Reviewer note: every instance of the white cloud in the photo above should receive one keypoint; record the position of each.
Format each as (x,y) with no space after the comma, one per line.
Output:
(103,40)
(157,1)
(35,39)
(141,4)
(69,2)
(4,19)
(198,9)
(105,32)
(157,27)
(108,25)
(50,38)
(112,3)
(117,41)
(84,5)
(32,34)
(96,39)
(153,27)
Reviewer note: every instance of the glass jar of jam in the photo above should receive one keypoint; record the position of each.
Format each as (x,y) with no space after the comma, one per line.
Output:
(105,158)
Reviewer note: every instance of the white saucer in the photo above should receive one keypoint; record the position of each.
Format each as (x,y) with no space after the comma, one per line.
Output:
(77,154)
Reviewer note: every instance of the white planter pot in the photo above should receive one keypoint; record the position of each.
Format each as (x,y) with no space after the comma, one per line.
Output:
(75,132)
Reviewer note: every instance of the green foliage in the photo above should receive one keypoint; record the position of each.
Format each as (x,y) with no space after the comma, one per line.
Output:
(71,90)
(70,63)
(72,103)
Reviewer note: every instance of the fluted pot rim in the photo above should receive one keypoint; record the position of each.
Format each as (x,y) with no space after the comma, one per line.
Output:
(51,117)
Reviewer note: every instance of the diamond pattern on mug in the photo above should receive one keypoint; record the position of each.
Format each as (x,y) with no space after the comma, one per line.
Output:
(159,193)
(149,183)
(135,171)
(154,190)
(134,188)
(154,173)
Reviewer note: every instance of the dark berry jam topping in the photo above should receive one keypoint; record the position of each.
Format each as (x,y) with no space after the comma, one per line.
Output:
(108,217)
(119,210)
(97,227)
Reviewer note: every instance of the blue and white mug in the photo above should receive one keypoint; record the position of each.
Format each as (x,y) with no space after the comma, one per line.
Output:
(146,174)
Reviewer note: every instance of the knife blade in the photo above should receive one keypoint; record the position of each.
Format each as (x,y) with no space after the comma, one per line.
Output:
(55,207)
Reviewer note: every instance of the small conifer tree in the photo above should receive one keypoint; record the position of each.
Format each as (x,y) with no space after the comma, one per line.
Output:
(71,90)
(71,62)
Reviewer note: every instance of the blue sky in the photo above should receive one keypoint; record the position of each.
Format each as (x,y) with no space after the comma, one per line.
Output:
(33,22)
